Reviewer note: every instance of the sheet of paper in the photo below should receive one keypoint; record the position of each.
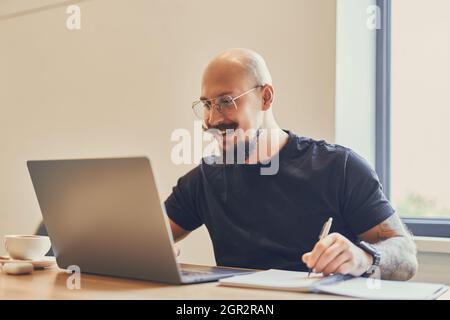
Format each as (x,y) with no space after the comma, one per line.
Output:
(384,290)
(363,288)
(274,279)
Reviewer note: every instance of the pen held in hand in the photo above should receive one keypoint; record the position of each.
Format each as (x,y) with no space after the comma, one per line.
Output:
(323,233)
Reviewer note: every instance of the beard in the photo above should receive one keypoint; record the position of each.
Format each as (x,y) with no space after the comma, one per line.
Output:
(236,150)
(235,145)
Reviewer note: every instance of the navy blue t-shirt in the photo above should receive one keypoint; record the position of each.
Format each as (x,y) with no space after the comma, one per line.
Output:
(270,221)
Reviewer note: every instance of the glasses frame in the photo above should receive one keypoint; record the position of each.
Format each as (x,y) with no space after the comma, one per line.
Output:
(214,103)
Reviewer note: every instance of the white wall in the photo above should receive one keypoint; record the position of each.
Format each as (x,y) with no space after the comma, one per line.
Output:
(125,81)
(355,78)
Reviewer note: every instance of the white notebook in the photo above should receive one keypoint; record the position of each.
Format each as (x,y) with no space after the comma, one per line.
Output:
(339,285)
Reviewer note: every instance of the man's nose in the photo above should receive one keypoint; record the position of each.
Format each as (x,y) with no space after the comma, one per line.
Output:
(215,117)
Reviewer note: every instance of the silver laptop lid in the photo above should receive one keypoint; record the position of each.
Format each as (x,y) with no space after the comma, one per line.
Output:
(105,216)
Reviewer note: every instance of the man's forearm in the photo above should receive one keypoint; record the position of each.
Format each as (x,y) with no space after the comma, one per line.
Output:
(398,258)
(335,254)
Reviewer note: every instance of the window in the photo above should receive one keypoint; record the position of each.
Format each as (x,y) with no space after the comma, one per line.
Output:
(413,112)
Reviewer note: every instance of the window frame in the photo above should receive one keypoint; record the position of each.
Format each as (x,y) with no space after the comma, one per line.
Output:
(425,227)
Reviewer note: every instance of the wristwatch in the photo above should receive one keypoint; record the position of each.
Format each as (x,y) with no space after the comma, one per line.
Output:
(370,249)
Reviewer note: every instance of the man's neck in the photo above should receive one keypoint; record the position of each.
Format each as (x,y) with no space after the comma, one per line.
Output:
(269,143)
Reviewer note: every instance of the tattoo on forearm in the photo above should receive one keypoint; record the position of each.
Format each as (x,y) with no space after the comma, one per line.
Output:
(398,250)
(390,228)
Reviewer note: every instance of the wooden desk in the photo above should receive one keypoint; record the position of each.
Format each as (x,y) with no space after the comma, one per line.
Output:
(51,284)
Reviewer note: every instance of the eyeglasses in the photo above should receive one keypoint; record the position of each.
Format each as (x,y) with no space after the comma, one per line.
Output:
(223,104)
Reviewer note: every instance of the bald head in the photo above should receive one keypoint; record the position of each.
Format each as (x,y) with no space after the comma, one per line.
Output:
(237,94)
(241,74)
(238,64)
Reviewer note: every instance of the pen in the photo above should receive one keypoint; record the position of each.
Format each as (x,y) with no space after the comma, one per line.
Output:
(325,231)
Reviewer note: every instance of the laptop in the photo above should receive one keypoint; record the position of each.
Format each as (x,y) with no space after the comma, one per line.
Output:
(105,216)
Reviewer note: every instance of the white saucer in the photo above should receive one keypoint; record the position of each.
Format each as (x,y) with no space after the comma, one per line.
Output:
(44,262)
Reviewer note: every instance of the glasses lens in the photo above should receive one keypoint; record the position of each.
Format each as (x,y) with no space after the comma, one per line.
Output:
(225,102)
(201,110)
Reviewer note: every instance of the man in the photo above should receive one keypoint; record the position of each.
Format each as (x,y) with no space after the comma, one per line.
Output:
(273,221)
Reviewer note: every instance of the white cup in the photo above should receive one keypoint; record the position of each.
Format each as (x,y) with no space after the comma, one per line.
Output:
(26,247)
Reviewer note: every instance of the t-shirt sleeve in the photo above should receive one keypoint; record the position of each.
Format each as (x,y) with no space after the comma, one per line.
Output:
(365,204)
(181,205)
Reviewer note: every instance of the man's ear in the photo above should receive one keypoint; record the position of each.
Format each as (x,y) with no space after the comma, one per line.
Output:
(267,97)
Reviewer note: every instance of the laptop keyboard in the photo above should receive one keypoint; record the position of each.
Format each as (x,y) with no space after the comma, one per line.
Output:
(215,273)
(191,274)
(195,273)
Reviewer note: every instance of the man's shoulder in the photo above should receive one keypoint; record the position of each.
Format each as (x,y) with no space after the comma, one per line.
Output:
(207,167)
(320,148)
(191,178)
(333,154)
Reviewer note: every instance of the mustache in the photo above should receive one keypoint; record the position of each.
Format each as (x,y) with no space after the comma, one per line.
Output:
(222,127)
